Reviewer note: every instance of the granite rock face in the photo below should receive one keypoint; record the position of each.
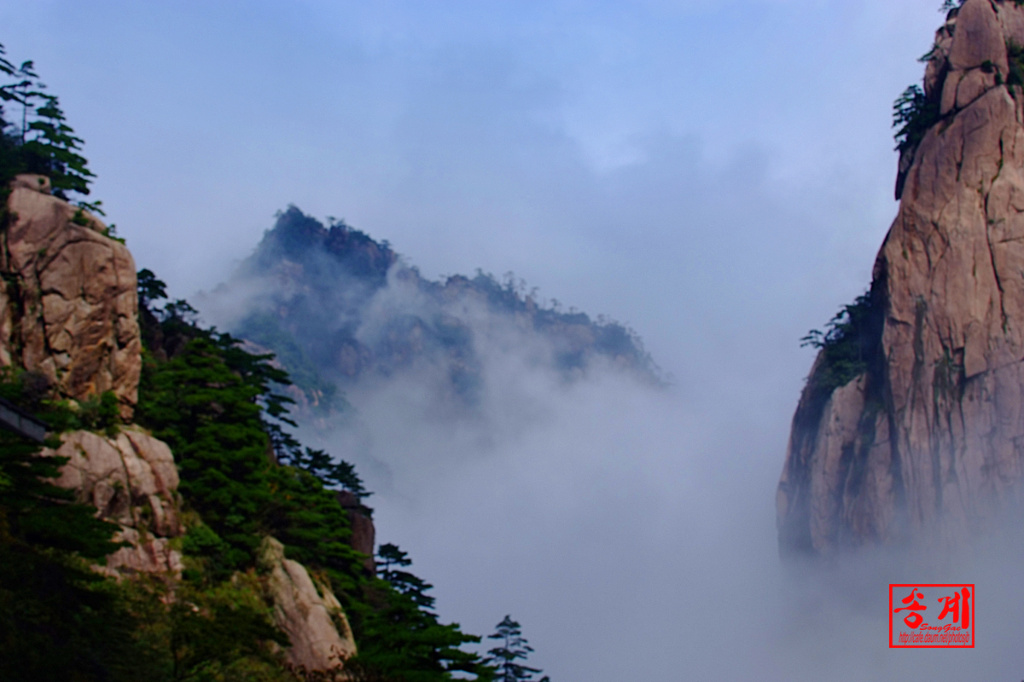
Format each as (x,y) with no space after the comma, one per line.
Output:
(69,315)
(308,612)
(927,444)
(131,479)
(68,307)
(364,533)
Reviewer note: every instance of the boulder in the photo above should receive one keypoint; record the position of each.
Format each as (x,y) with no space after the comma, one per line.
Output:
(978,37)
(68,305)
(131,479)
(308,612)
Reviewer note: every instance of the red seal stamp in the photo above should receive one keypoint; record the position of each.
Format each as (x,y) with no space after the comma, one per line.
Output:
(931,616)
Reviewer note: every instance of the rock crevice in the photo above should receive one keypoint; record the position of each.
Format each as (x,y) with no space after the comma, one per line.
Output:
(68,307)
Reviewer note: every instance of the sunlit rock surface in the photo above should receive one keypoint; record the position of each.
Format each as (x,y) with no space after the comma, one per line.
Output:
(308,612)
(927,444)
(69,313)
(67,297)
(131,479)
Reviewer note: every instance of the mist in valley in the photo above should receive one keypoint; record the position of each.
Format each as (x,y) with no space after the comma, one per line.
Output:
(715,175)
(630,529)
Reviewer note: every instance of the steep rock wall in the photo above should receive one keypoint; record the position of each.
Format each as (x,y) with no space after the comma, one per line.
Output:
(927,444)
(67,297)
(364,533)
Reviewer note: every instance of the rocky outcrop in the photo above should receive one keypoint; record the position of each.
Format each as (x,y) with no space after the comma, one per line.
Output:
(364,534)
(308,612)
(131,479)
(67,297)
(69,316)
(927,443)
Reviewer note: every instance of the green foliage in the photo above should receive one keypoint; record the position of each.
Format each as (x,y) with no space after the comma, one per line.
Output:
(150,288)
(215,405)
(43,143)
(402,639)
(912,115)
(220,410)
(58,619)
(309,520)
(1015,57)
(36,512)
(265,330)
(209,556)
(339,474)
(513,648)
(402,581)
(97,413)
(207,412)
(848,344)
(206,630)
(223,632)
(948,375)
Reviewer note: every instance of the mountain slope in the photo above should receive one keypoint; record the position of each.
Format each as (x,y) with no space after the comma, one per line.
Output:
(339,308)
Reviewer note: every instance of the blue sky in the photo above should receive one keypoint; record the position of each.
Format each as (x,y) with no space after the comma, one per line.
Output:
(615,154)
(432,124)
(717,174)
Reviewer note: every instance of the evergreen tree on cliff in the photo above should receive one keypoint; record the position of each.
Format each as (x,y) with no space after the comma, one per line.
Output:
(513,648)
(908,430)
(43,143)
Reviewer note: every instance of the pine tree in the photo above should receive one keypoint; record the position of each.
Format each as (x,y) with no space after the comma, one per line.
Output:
(514,648)
(408,584)
(59,620)
(403,639)
(340,474)
(45,143)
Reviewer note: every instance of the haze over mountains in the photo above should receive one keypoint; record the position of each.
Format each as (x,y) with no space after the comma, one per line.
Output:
(528,462)
(343,310)
(407,361)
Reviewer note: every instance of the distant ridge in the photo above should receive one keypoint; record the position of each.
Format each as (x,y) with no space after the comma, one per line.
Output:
(339,308)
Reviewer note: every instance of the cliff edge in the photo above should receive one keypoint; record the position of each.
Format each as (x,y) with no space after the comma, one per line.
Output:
(69,318)
(68,306)
(923,443)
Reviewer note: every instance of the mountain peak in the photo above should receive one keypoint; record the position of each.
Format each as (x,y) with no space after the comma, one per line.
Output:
(333,302)
(909,428)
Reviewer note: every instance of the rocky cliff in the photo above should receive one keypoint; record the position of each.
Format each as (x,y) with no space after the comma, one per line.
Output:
(131,480)
(67,297)
(69,318)
(924,441)
(308,612)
